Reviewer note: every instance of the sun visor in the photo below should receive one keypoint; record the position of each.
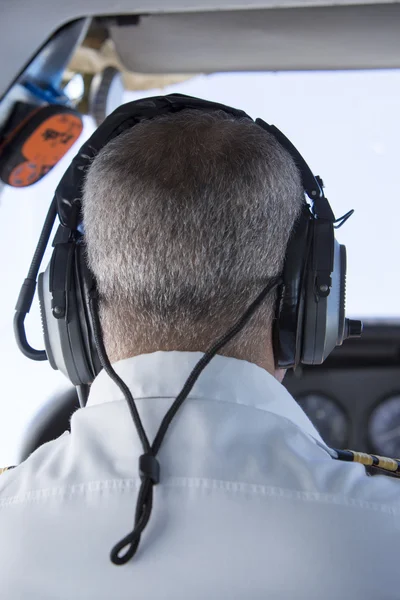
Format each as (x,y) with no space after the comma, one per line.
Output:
(316,38)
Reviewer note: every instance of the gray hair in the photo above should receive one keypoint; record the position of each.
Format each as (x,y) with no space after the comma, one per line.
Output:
(186,217)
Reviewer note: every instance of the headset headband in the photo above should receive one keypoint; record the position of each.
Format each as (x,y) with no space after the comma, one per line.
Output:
(68,192)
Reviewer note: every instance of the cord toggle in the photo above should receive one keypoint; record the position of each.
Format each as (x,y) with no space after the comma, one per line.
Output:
(149,468)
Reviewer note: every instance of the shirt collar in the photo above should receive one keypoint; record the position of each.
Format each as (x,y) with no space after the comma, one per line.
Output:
(163,374)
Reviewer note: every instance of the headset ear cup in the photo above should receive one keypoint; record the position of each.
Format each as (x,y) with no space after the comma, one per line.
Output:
(290,305)
(49,334)
(324,315)
(52,299)
(85,284)
(63,294)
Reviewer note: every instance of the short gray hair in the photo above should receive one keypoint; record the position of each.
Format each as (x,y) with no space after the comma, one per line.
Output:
(186,217)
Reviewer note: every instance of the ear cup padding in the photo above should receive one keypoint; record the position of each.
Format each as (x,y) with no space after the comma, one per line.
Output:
(75,342)
(289,323)
(84,284)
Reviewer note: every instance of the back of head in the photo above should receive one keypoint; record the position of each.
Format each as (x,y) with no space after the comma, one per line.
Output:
(186,217)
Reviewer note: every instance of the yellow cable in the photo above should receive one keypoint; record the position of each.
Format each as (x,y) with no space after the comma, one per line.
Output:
(361,457)
(387,463)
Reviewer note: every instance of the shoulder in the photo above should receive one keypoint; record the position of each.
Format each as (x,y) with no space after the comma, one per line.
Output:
(36,472)
(4,469)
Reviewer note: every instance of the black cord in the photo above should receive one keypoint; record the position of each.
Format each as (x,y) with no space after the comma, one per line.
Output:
(105,363)
(206,358)
(28,288)
(43,240)
(342,220)
(149,468)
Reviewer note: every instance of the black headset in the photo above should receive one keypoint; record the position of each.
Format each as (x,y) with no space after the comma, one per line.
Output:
(310,312)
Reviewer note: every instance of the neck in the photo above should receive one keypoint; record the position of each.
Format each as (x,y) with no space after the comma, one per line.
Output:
(260,355)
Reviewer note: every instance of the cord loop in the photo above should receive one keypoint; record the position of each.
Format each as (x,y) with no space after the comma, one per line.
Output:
(144,507)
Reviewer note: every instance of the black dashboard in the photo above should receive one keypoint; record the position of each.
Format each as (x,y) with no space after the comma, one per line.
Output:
(353,399)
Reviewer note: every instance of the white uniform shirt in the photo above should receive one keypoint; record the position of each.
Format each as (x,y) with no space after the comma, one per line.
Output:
(250,505)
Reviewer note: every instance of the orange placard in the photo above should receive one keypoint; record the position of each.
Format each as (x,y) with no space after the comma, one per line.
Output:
(44,147)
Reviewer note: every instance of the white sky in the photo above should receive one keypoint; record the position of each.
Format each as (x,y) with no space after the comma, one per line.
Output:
(347,127)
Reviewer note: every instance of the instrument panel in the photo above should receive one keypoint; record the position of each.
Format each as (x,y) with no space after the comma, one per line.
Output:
(384,427)
(328,417)
(357,409)
(353,399)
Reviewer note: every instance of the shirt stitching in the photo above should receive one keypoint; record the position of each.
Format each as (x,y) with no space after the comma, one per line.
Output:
(123,485)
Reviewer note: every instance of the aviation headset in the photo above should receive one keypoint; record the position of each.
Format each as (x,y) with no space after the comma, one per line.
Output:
(310,313)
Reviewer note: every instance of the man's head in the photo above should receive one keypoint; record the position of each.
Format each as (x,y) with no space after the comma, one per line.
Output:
(186,217)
